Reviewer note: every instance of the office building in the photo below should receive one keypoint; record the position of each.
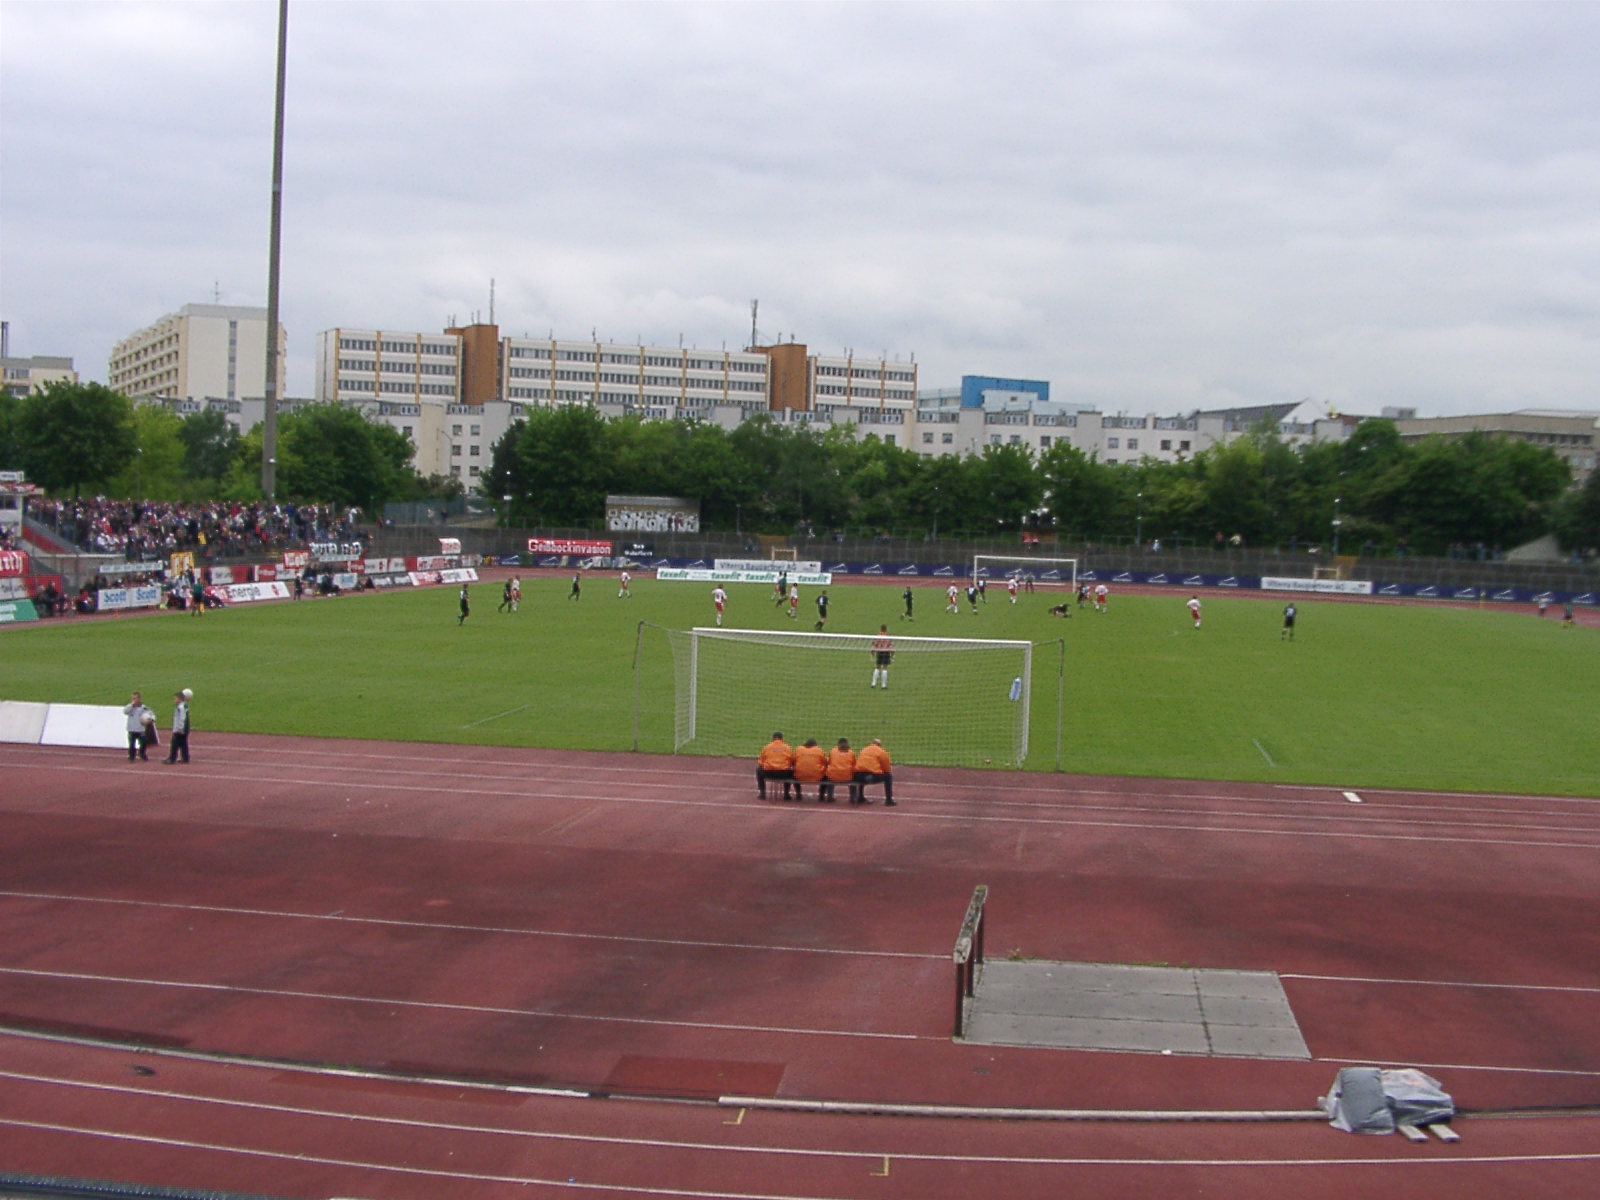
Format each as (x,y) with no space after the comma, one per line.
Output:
(200,352)
(25,376)
(1573,435)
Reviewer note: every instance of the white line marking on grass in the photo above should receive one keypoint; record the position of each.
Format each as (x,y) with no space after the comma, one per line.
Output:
(1264,753)
(816,811)
(455,926)
(493,1010)
(1352,797)
(497,716)
(323,1160)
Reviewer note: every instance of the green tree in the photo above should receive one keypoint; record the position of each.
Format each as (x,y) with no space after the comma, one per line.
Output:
(156,471)
(1578,518)
(72,434)
(332,454)
(10,439)
(1081,491)
(210,445)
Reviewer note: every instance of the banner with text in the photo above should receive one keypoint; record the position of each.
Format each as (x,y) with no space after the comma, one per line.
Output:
(564,546)
(1340,587)
(114,599)
(693,575)
(768,564)
(245,593)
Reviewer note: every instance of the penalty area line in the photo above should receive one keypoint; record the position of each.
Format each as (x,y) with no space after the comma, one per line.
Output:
(497,716)
(1264,753)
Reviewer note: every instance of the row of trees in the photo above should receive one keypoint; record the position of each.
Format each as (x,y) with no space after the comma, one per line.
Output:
(558,465)
(72,438)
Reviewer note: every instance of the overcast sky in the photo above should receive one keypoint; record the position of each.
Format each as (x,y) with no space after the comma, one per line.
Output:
(1152,207)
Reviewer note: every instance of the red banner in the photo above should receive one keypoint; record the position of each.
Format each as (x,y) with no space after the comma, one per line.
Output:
(296,560)
(13,562)
(562,546)
(266,573)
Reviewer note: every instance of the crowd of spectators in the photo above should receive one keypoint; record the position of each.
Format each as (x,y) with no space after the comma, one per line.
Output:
(139,529)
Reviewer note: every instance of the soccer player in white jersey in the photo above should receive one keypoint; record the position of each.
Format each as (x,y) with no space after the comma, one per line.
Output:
(719,598)
(516,592)
(625,579)
(1194,610)
(955,599)
(1011,586)
(794,601)
(1101,595)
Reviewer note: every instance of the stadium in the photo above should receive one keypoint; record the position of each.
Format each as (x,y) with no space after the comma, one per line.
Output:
(373,932)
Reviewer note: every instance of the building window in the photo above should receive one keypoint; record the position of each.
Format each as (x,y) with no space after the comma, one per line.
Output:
(1166,443)
(1133,443)
(927,439)
(994,439)
(948,439)
(406,429)
(1044,442)
(1016,439)
(889,438)
(455,431)
(455,451)
(474,451)
(1183,445)
(456,471)
(1111,462)
(1111,443)
(476,430)
(472,471)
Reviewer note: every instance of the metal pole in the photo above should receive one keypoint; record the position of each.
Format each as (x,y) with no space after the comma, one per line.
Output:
(269,418)
(638,658)
(1061,696)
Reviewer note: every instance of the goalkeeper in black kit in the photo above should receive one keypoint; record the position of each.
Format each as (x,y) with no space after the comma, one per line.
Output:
(906,596)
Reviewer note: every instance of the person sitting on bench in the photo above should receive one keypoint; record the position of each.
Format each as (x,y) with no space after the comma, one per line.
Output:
(872,766)
(810,761)
(841,769)
(776,762)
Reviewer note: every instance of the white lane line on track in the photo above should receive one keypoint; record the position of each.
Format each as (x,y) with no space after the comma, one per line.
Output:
(714,771)
(445,1006)
(320,1160)
(1353,798)
(452,926)
(904,814)
(463,928)
(1350,1062)
(1455,983)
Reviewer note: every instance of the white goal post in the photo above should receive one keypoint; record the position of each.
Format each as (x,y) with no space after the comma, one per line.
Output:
(948,701)
(1050,572)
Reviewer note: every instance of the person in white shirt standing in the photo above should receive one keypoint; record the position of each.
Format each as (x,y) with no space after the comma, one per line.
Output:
(719,598)
(1011,586)
(180,726)
(1101,594)
(1194,610)
(139,718)
(625,579)
(953,596)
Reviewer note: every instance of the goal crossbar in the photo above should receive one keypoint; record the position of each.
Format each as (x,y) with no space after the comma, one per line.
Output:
(934,701)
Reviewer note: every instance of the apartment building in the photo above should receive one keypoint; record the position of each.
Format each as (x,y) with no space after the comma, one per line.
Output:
(1573,435)
(201,351)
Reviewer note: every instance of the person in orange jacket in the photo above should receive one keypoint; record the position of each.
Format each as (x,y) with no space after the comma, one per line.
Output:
(872,766)
(810,763)
(841,769)
(775,762)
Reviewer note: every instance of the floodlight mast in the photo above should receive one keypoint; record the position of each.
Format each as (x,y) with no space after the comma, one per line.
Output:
(269,419)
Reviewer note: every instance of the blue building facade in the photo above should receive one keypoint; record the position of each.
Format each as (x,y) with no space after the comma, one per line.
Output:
(974,386)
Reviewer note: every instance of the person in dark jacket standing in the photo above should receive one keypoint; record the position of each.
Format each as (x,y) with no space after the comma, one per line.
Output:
(180,726)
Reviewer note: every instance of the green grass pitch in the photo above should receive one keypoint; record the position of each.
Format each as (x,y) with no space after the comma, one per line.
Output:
(1368,694)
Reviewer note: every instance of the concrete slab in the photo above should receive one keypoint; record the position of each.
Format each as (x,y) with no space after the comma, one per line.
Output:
(1105,1006)
(22,721)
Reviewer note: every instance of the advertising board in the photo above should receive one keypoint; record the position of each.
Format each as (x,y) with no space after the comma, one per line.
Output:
(1339,587)
(652,514)
(246,593)
(565,546)
(13,562)
(766,564)
(697,575)
(117,599)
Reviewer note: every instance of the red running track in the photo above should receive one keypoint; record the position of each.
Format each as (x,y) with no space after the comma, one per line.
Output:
(641,926)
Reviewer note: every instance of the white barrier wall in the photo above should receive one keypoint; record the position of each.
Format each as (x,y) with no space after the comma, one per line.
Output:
(22,721)
(85,725)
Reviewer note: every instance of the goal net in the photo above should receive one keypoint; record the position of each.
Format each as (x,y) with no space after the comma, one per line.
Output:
(949,701)
(1051,572)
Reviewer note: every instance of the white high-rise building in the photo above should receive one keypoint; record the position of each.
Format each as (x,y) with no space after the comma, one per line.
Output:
(201,352)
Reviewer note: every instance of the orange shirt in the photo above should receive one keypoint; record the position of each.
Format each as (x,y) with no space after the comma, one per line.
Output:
(809,762)
(841,765)
(874,759)
(776,756)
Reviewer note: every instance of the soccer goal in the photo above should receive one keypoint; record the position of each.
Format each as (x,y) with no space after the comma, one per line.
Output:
(949,701)
(1051,572)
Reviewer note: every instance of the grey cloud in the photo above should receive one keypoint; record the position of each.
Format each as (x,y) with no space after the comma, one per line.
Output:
(1151,206)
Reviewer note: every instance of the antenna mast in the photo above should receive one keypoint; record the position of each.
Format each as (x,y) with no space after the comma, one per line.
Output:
(754,304)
